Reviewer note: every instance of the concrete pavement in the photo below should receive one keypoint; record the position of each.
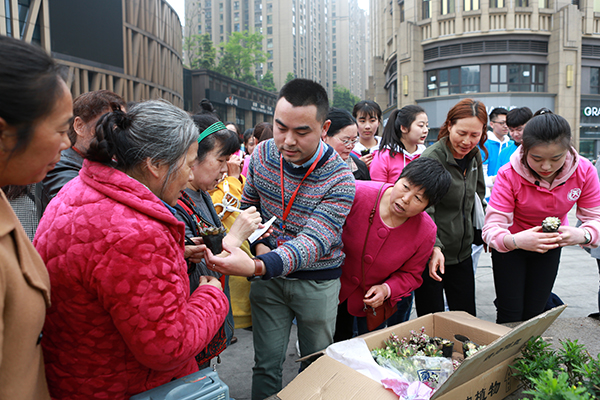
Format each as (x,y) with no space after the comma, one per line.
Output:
(576,285)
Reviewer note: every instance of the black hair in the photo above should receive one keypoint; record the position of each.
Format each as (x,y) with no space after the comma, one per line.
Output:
(498,111)
(392,133)
(430,175)
(518,116)
(30,84)
(248,133)
(367,107)
(546,128)
(226,140)
(304,92)
(543,111)
(340,119)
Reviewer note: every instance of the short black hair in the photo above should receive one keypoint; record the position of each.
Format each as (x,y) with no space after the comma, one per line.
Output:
(498,111)
(304,92)
(430,175)
(518,116)
(340,119)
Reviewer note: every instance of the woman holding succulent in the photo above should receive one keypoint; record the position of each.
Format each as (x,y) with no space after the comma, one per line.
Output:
(545,178)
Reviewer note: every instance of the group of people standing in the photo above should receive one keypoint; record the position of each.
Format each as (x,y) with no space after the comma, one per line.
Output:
(121,293)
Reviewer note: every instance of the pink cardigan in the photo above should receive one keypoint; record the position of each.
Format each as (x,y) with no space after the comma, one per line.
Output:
(520,201)
(122,319)
(395,256)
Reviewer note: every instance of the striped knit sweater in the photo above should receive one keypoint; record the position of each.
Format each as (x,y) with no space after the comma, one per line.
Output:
(315,220)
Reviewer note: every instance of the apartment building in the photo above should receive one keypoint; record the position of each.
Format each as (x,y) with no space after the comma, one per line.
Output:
(298,36)
(506,53)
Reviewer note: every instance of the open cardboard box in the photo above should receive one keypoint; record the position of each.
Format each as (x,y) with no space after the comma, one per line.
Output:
(485,375)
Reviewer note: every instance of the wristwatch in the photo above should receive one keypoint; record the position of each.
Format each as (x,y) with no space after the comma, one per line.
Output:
(587,236)
(259,270)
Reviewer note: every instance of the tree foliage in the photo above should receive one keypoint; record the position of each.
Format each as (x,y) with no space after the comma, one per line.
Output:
(267,82)
(240,55)
(290,76)
(200,51)
(342,98)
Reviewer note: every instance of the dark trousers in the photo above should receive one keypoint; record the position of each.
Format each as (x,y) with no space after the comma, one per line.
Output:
(523,281)
(459,284)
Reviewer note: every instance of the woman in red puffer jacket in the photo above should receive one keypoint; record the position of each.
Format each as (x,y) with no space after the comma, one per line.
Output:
(122,319)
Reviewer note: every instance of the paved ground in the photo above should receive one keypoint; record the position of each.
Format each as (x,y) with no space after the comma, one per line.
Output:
(576,285)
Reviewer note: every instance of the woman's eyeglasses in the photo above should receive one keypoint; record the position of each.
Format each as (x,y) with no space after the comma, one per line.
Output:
(348,142)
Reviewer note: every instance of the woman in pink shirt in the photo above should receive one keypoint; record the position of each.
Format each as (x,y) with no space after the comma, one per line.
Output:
(545,178)
(402,142)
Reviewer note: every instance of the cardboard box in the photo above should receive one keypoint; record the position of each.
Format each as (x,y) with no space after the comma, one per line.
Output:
(484,376)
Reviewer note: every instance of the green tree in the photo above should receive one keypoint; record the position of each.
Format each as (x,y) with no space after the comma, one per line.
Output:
(342,98)
(290,76)
(240,55)
(267,82)
(200,51)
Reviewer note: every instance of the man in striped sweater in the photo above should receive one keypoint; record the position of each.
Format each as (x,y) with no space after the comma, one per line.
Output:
(303,182)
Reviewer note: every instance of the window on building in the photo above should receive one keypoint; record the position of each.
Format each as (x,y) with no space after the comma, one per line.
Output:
(269,7)
(270,54)
(270,66)
(401,6)
(545,4)
(596,6)
(199,29)
(334,61)
(456,80)
(393,93)
(497,4)
(426,10)
(333,30)
(236,27)
(270,19)
(236,5)
(447,7)
(236,16)
(269,43)
(521,3)
(517,78)
(270,30)
(220,28)
(595,80)
(220,7)
(472,5)
(334,53)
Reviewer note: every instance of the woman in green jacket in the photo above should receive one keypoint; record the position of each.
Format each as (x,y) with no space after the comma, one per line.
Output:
(450,266)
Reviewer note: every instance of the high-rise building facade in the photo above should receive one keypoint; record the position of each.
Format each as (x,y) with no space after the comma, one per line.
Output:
(298,36)
(535,53)
(349,33)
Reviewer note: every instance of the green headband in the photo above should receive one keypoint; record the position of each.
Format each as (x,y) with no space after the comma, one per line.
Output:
(217,126)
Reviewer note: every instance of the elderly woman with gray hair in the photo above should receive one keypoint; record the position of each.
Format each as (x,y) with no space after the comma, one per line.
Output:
(122,319)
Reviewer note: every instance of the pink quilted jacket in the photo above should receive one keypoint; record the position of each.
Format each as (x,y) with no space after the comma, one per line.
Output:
(122,320)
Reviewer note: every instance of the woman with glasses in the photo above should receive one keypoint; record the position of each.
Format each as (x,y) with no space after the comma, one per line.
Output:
(403,141)
(342,136)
